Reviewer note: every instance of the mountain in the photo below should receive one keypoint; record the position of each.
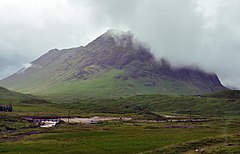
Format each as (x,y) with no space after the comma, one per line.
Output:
(6,94)
(112,65)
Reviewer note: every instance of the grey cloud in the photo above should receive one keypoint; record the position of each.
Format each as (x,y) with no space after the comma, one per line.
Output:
(204,33)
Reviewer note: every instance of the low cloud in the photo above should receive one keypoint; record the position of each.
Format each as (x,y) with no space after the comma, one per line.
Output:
(204,33)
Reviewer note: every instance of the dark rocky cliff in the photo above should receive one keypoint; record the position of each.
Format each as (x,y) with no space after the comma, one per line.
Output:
(113,51)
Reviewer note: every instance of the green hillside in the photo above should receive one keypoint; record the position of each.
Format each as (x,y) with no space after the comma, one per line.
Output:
(231,94)
(197,105)
(209,106)
(108,67)
(105,85)
(6,94)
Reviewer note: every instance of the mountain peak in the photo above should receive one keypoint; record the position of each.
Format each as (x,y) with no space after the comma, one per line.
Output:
(114,64)
(117,35)
(114,37)
(116,32)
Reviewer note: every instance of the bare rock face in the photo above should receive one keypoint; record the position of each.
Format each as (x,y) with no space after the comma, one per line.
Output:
(114,50)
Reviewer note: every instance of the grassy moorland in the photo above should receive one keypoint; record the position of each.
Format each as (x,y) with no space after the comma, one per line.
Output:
(218,135)
(115,137)
(206,106)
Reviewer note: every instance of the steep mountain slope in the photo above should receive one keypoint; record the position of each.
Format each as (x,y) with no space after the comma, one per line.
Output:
(112,65)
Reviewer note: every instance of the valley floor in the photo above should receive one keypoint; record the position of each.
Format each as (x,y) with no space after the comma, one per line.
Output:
(159,124)
(218,136)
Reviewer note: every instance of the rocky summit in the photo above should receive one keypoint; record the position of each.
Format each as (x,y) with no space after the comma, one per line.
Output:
(113,65)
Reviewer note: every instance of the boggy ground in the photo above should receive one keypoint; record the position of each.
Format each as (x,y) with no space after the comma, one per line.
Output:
(219,136)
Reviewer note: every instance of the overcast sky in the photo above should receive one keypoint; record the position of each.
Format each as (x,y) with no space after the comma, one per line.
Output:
(205,33)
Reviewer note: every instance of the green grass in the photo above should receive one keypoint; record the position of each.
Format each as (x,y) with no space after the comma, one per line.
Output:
(142,105)
(231,94)
(96,85)
(12,123)
(221,144)
(7,95)
(220,135)
(114,137)
(107,138)
(207,106)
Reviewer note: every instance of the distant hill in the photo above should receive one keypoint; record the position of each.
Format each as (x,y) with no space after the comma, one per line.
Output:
(6,94)
(113,65)
(231,94)
(163,104)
